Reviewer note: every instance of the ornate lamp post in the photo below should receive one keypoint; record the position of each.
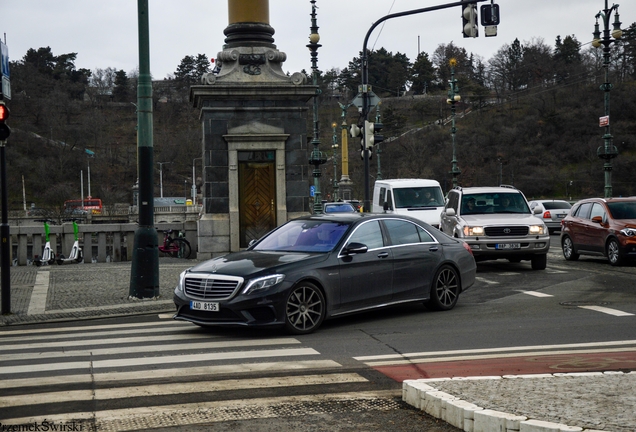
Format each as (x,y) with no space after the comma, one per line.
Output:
(334,146)
(608,151)
(453,98)
(378,151)
(317,158)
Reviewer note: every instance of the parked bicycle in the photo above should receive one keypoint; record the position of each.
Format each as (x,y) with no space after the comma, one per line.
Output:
(177,247)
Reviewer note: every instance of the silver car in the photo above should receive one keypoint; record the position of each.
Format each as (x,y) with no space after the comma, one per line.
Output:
(497,223)
(552,212)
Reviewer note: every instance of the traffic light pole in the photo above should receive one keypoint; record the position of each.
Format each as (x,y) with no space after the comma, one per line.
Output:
(365,78)
(5,233)
(144,273)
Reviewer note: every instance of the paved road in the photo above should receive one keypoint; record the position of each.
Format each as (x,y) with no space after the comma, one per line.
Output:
(69,293)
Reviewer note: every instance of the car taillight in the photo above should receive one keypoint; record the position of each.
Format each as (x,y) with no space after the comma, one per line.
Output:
(467,247)
(547,215)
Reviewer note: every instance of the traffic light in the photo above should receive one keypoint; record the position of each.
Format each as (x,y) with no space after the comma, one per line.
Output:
(371,135)
(5,131)
(470,20)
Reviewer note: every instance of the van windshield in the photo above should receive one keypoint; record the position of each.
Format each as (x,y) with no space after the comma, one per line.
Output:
(418,197)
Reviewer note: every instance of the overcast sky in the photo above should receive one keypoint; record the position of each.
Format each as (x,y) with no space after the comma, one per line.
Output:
(103,33)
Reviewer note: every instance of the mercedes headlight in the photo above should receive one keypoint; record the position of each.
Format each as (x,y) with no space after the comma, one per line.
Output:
(263,283)
(181,282)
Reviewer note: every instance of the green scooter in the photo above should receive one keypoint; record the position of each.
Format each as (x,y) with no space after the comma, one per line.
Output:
(76,256)
(48,256)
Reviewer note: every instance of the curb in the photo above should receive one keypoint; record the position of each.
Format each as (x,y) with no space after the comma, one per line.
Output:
(469,417)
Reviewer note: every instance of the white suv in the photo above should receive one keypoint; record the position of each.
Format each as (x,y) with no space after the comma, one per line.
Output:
(497,223)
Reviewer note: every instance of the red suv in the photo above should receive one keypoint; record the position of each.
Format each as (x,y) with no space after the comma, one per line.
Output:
(602,227)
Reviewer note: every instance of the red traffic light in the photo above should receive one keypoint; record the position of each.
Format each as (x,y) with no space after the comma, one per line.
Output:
(4,112)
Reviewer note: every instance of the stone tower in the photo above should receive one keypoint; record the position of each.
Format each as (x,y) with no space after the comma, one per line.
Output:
(254,146)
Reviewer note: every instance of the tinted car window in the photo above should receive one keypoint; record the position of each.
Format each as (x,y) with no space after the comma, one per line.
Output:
(623,210)
(402,232)
(424,236)
(304,236)
(556,205)
(368,234)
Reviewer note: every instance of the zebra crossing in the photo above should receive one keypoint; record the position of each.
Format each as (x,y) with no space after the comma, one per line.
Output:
(131,376)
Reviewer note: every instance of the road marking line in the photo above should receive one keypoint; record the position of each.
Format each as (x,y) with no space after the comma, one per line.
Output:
(496,356)
(140,348)
(484,280)
(192,333)
(178,389)
(536,294)
(608,311)
(146,361)
(96,327)
(495,350)
(110,377)
(166,315)
(37,304)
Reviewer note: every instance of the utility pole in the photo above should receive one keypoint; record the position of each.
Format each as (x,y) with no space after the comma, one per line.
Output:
(144,273)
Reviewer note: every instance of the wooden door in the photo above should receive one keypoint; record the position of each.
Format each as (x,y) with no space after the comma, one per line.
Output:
(257,200)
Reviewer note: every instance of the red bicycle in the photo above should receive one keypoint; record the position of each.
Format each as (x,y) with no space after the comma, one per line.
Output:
(177,247)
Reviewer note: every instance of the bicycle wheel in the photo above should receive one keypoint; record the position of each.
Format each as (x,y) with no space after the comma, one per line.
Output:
(184,248)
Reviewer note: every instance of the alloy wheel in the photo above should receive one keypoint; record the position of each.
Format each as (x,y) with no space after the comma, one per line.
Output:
(305,309)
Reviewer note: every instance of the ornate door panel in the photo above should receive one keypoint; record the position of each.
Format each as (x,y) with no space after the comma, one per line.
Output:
(257,200)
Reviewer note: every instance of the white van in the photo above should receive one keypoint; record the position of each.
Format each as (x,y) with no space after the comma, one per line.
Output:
(420,198)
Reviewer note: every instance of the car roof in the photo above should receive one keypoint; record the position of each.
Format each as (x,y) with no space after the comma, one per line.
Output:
(608,200)
(549,200)
(488,189)
(354,217)
(408,182)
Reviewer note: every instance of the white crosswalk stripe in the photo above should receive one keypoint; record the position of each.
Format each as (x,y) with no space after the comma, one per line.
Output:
(82,373)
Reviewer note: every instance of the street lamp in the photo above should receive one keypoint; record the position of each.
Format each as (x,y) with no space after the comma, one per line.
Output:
(334,146)
(378,151)
(317,158)
(453,98)
(608,151)
(194,185)
(161,164)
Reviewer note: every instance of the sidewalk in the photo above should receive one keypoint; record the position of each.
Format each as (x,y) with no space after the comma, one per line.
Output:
(83,291)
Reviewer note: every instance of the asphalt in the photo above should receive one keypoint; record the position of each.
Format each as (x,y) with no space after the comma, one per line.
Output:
(533,403)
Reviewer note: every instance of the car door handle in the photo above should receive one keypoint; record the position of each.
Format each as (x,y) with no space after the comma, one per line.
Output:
(383,255)
(433,248)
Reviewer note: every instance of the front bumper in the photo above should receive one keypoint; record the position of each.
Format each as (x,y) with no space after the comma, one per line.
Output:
(243,311)
(494,248)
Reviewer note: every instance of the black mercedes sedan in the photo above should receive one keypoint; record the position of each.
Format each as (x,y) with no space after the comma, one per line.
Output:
(323,266)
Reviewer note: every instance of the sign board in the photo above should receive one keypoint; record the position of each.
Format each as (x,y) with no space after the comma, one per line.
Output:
(603,121)
(312,190)
(6,88)
(4,60)
(4,68)
(374,100)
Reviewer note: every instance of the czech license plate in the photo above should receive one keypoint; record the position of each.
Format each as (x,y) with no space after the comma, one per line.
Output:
(508,246)
(204,306)
(561,216)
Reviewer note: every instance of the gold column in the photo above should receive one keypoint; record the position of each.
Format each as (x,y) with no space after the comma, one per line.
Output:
(248,11)
(345,151)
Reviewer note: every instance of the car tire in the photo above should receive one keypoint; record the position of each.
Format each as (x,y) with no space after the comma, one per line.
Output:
(614,252)
(445,290)
(304,309)
(568,249)
(539,262)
